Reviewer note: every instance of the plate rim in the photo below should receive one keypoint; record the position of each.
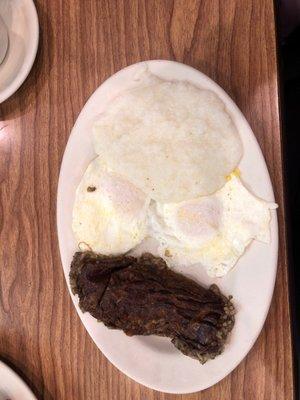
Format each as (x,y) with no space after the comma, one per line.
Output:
(16,377)
(26,67)
(274,216)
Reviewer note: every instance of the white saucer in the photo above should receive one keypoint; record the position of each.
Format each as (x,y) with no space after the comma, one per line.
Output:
(21,20)
(11,385)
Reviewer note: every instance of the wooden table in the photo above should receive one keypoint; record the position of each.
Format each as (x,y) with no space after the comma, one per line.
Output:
(82,43)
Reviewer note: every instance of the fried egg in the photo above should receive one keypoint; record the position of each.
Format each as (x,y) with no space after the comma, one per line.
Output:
(211,230)
(109,214)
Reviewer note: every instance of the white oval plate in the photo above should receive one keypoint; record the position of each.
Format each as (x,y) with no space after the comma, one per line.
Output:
(154,361)
(21,20)
(11,385)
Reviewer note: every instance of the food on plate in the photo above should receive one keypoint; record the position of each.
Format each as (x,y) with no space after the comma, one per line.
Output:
(171,139)
(142,296)
(109,213)
(112,216)
(167,151)
(211,230)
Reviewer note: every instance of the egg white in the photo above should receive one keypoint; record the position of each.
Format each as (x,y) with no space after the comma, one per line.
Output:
(211,230)
(109,213)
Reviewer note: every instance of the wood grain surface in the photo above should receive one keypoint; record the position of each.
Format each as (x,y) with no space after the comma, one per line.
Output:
(82,43)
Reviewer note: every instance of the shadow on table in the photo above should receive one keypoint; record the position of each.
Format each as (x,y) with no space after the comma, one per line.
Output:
(290,55)
(23,100)
(40,393)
